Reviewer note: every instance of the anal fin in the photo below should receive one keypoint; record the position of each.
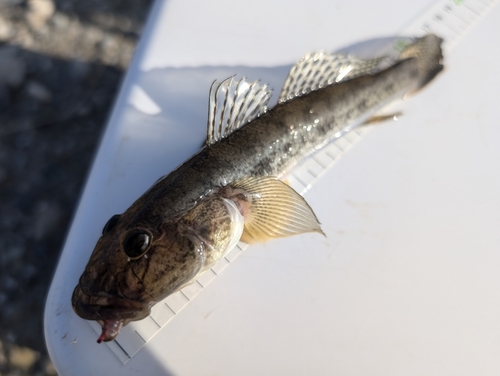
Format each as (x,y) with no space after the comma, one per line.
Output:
(375,119)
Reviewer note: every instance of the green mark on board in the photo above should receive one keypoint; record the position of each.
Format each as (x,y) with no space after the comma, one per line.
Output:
(458,2)
(400,45)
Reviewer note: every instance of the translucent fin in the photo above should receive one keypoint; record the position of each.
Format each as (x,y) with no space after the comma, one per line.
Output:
(272,209)
(237,225)
(317,70)
(233,104)
(381,118)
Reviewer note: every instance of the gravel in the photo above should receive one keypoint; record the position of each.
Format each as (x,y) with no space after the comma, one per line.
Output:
(61,63)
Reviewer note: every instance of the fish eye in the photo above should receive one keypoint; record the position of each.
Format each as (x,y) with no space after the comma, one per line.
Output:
(110,224)
(136,243)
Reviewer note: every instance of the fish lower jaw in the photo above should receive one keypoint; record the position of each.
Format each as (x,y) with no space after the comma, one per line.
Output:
(108,310)
(110,329)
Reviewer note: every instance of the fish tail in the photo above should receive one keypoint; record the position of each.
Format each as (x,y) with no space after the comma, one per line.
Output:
(429,55)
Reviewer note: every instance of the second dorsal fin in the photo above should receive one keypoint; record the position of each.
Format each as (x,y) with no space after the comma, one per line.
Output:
(317,70)
(233,104)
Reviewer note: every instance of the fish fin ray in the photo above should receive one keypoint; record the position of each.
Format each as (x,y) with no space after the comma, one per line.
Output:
(317,70)
(375,119)
(273,210)
(232,104)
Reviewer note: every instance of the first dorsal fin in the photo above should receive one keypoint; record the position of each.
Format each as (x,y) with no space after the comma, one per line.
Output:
(233,104)
(317,70)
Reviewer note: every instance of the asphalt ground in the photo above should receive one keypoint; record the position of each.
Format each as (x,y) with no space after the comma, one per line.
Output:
(61,64)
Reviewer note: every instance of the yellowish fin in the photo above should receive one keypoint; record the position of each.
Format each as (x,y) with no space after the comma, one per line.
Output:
(375,119)
(271,209)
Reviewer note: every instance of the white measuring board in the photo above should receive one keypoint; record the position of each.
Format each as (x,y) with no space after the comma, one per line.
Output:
(451,20)
(140,342)
(136,334)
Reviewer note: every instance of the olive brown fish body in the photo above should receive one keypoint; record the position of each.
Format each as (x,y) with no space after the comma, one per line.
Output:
(191,218)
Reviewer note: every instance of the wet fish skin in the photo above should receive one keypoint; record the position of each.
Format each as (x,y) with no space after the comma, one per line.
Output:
(115,288)
(281,138)
(188,220)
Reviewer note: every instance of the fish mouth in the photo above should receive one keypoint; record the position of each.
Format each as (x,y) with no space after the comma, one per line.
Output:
(112,313)
(110,329)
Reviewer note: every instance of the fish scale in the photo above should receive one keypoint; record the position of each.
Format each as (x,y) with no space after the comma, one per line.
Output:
(293,129)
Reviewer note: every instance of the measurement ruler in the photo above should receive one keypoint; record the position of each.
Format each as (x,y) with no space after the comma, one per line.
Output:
(449,19)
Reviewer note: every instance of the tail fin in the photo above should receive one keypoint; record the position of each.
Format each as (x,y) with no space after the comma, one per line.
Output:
(427,51)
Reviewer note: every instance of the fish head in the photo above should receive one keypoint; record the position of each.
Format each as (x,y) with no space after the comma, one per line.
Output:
(141,258)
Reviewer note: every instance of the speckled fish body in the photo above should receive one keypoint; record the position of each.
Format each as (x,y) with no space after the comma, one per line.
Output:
(279,139)
(230,190)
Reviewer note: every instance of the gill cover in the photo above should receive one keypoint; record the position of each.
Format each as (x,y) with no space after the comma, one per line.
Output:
(216,225)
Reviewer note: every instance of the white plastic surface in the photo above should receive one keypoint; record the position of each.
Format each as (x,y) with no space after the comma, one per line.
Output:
(406,281)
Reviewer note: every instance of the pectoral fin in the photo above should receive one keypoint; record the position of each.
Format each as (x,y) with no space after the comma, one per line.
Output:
(271,209)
